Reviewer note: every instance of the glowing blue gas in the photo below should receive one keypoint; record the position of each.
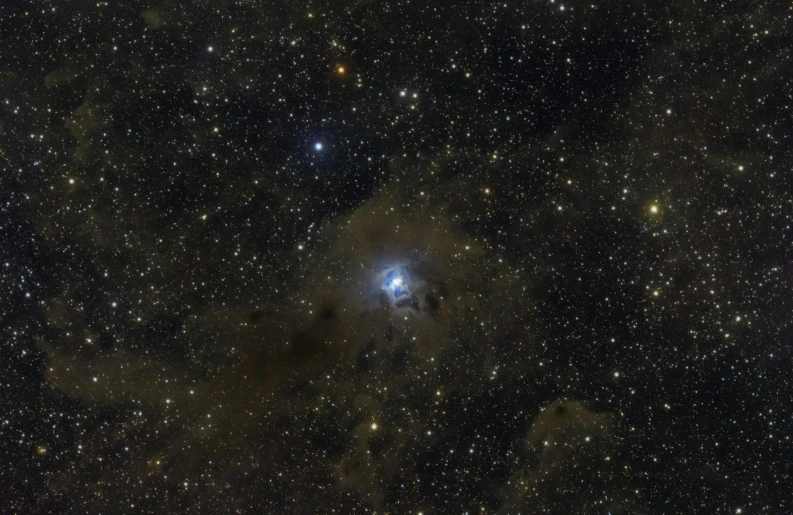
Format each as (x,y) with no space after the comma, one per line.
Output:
(394,281)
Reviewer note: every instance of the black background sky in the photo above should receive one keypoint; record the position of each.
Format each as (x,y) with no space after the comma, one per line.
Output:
(204,205)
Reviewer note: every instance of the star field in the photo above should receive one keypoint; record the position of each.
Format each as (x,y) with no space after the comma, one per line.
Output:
(396,257)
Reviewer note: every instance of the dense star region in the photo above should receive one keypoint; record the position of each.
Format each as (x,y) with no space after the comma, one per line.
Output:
(406,257)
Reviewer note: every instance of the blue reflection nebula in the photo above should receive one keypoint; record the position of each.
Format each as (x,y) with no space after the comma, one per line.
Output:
(395,283)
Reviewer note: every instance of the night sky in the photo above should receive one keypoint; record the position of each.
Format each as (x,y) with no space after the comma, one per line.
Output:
(396,257)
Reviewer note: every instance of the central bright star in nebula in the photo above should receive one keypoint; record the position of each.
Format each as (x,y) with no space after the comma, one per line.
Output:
(404,289)
(394,282)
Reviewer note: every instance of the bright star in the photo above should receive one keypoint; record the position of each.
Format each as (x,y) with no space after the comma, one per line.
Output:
(318,146)
(397,282)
